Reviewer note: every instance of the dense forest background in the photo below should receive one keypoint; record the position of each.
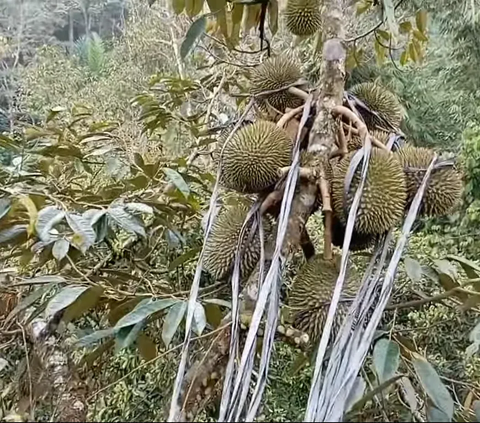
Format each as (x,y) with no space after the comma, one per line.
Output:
(102,114)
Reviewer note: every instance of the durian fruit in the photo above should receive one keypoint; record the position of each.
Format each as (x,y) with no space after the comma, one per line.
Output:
(355,142)
(444,187)
(381,101)
(275,73)
(303,17)
(311,293)
(221,246)
(359,241)
(222,137)
(384,193)
(252,158)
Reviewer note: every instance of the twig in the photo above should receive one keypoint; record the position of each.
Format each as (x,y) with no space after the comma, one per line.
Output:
(177,55)
(215,94)
(434,299)
(288,116)
(29,372)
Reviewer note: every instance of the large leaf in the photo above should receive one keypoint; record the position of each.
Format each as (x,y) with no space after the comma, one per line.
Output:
(213,314)
(356,393)
(86,301)
(29,300)
(183,258)
(386,359)
(178,6)
(139,207)
(63,299)
(421,20)
(413,269)
(410,395)
(29,205)
(86,236)
(60,249)
(127,335)
(5,206)
(126,220)
(432,384)
(471,269)
(47,218)
(199,319)
(174,177)
(218,8)
(143,310)
(172,321)
(389,16)
(434,414)
(476,408)
(95,337)
(146,347)
(193,36)
(93,215)
(12,232)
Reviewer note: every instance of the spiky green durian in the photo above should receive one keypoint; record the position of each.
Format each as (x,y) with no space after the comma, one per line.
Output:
(275,73)
(303,17)
(381,101)
(384,193)
(252,159)
(311,293)
(219,253)
(444,188)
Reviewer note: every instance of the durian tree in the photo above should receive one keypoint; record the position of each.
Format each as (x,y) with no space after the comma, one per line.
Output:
(297,148)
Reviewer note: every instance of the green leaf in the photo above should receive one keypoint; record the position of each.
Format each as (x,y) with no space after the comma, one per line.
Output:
(178,6)
(213,314)
(47,218)
(100,151)
(8,143)
(63,299)
(54,112)
(87,301)
(127,335)
(12,232)
(29,205)
(413,269)
(384,34)
(199,319)
(386,359)
(419,35)
(363,6)
(81,227)
(60,249)
(356,393)
(174,177)
(139,207)
(172,321)
(146,347)
(436,415)
(432,385)
(126,220)
(29,300)
(272,16)
(193,36)
(143,310)
(410,394)
(389,16)
(421,20)
(405,27)
(183,258)
(5,206)
(404,57)
(95,337)
(476,408)
(471,269)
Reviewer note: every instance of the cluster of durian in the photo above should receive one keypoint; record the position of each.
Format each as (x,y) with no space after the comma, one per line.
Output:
(252,159)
